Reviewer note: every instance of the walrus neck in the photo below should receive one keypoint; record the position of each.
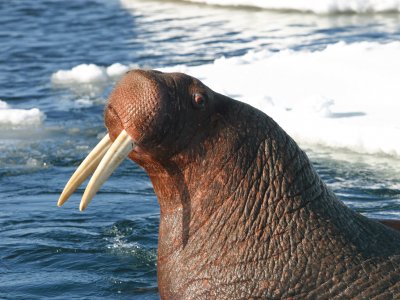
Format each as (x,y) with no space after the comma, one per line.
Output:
(261,178)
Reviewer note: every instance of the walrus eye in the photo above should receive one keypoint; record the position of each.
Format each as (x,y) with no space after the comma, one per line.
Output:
(199,101)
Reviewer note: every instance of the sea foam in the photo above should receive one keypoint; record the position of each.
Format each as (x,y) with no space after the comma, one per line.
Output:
(318,7)
(19,117)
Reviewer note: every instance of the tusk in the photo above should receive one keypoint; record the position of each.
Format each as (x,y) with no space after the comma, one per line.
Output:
(86,168)
(118,151)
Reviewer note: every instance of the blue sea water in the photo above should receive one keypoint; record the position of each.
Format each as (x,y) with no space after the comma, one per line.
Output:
(110,250)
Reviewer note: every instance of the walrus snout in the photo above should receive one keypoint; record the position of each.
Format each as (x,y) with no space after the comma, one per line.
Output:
(136,111)
(140,104)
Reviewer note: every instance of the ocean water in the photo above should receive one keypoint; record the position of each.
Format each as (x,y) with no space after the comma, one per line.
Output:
(327,71)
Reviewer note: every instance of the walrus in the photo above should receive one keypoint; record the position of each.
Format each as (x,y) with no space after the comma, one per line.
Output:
(243,213)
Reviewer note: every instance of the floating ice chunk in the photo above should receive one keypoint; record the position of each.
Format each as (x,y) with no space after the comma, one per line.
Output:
(85,73)
(116,70)
(346,95)
(88,74)
(20,117)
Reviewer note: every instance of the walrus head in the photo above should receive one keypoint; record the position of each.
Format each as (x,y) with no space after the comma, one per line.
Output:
(151,117)
(168,123)
(243,212)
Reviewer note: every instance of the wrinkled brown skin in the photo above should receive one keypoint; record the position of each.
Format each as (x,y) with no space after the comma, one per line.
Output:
(243,212)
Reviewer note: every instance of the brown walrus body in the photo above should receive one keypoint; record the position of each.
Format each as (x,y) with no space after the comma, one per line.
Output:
(243,212)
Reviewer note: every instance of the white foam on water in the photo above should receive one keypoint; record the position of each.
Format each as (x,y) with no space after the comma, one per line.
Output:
(344,96)
(20,117)
(315,6)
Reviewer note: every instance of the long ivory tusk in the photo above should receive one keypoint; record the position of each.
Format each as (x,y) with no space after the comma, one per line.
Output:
(118,151)
(86,168)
